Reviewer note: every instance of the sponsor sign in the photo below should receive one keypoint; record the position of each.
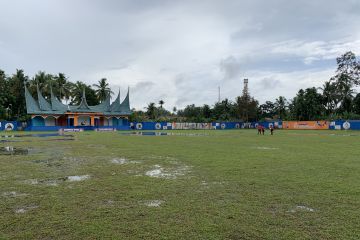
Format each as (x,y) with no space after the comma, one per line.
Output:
(312,125)
(105,129)
(73,130)
(9,127)
(346,125)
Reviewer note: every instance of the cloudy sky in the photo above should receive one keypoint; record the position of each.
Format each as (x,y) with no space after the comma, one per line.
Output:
(181,51)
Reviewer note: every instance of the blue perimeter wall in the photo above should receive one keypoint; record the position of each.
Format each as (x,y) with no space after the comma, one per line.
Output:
(8,123)
(214,125)
(334,125)
(339,124)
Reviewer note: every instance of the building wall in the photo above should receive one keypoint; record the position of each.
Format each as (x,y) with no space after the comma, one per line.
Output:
(49,121)
(38,121)
(84,121)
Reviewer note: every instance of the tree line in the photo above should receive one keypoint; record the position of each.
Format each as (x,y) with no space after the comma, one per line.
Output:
(336,99)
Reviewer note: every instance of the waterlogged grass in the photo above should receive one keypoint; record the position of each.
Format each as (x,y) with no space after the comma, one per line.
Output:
(212,185)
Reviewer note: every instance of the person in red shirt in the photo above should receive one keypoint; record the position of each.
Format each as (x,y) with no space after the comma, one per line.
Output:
(259,129)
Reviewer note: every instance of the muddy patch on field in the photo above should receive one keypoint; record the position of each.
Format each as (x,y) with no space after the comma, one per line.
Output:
(10,150)
(13,194)
(168,172)
(301,208)
(25,209)
(152,203)
(109,202)
(50,162)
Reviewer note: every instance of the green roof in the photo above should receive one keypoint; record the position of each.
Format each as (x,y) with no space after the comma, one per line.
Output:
(55,106)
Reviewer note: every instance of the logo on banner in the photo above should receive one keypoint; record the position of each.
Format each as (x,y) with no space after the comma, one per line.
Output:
(9,126)
(346,125)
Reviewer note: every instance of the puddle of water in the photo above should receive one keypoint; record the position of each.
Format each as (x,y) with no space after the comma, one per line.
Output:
(36,135)
(162,134)
(204,183)
(266,148)
(122,161)
(160,172)
(25,209)
(47,182)
(301,208)
(162,157)
(153,203)
(60,139)
(57,181)
(77,178)
(13,194)
(9,150)
(119,160)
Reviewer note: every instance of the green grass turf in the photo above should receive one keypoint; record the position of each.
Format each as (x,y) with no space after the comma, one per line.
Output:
(229,184)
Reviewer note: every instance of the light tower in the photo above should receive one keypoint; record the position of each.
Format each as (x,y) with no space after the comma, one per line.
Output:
(246,99)
(246,88)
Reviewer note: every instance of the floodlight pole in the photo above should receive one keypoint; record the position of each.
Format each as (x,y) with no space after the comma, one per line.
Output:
(219,94)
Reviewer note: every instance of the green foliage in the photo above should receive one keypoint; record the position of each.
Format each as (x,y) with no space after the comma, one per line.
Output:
(77,92)
(307,105)
(102,89)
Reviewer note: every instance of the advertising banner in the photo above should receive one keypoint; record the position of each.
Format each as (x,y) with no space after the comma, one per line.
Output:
(311,125)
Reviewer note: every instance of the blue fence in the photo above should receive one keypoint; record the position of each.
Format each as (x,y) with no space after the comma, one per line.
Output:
(334,125)
(8,125)
(86,128)
(345,125)
(213,125)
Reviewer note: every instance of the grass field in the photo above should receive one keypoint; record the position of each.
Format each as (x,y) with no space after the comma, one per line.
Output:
(211,185)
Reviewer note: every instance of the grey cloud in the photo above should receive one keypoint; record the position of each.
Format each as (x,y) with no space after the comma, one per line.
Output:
(143,86)
(231,67)
(269,83)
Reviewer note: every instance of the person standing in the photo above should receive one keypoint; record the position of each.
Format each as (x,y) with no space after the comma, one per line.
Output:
(263,130)
(271,127)
(259,129)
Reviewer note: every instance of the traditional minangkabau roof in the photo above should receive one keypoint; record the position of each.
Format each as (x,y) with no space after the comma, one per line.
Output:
(55,106)
(43,104)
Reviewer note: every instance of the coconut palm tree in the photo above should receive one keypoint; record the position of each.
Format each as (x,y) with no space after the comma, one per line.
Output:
(281,106)
(43,80)
(63,87)
(330,96)
(151,110)
(77,92)
(161,103)
(103,89)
